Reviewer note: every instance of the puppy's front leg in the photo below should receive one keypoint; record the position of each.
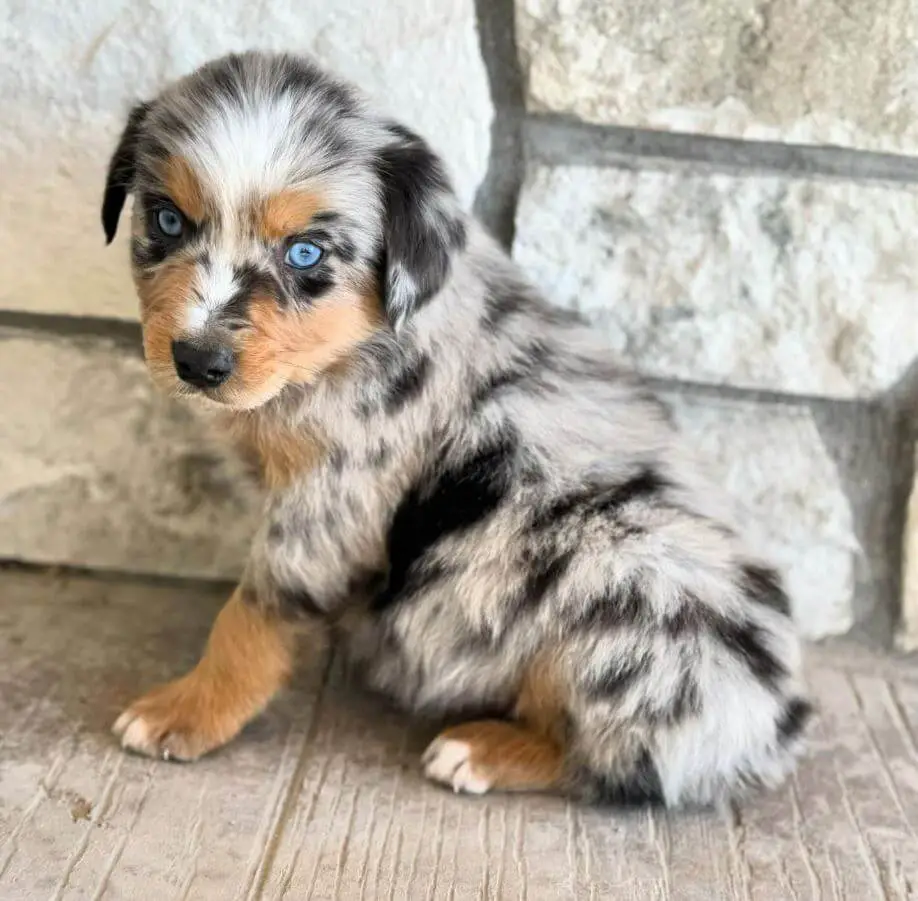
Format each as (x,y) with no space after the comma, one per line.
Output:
(249,656)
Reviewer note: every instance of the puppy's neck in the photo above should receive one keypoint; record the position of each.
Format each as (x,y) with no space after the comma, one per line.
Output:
(278,449)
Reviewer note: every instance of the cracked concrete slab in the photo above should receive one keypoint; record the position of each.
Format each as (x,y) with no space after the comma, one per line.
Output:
(322,797)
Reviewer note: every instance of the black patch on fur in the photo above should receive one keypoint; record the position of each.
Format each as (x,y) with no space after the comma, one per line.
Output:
(276,534)
(249,279)
(746,641)
(298,75)
(543,576)
(326,217)
(420,231)
(625,606)
(797,714)
(686,619)
(324,132)
(458,496)
(223,81)
(364,584)
(402,132)
(337,459)
(311,284)
(762,584)
(686,701)
(560,316)
(503,301)
(619,678)
(520,373)
(508,296)
(320,236)
(146,254)
(121,169)
(494,382)
(407,383)
(603,499)
(296,602)
(379,455)
(642,788)
(646,483)
(346,250)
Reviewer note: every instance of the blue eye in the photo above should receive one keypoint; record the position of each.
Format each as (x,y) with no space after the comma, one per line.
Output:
(169,222)
(303,255)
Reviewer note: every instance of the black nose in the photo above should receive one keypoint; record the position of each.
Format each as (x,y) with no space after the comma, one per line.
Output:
(202,366)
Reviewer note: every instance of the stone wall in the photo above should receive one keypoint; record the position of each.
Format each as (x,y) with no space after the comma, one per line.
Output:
(728,189)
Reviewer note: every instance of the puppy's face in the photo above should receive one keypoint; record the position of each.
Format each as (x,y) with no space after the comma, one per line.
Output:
(277,224)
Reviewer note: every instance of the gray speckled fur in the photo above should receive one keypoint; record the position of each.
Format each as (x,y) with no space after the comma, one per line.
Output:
(590,536)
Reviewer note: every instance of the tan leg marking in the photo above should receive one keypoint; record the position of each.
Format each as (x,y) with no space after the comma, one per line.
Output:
(526,755)
(542,699)
(249,656)
(491,755)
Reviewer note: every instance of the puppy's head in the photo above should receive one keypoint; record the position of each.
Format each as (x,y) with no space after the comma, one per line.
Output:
(277,224)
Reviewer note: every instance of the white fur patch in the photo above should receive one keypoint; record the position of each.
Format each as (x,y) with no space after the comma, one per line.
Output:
(447,761)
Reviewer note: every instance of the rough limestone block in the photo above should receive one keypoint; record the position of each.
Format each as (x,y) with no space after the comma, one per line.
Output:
(71,71)
(772,461)
(806,71)
(100,470)
(792,285)
(908,629)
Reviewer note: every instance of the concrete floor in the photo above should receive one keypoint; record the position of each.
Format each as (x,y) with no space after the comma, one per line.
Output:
(322,797)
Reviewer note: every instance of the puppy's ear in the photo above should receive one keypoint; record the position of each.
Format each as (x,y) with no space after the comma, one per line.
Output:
(423,226)
(121,171)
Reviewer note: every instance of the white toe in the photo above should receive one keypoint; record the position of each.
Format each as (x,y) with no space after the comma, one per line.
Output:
(136,735)
(465,780)
(122,722)
(447,761)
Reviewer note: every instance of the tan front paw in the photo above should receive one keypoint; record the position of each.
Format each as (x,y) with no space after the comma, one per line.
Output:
(179,721)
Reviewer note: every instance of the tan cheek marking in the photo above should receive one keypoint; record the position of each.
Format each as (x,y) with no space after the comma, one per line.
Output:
(286,213)
(163,298)
(329,332)
(184,188)
(298,345)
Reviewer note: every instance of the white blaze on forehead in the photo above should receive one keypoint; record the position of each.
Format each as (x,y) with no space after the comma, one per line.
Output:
(244,149)
(214,286)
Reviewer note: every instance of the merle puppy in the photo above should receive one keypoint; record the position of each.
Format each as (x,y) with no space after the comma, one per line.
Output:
(461,490)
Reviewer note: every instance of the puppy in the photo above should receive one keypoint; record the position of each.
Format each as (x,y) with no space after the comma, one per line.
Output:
(462,491)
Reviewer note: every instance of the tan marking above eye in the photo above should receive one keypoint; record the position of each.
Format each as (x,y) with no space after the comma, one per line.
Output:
(184,188)
(286,213)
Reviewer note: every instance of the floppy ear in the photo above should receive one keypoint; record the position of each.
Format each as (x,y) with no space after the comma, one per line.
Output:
(423,226)
(121,172)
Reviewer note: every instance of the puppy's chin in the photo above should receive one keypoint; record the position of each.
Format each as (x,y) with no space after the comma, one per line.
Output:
(226,398)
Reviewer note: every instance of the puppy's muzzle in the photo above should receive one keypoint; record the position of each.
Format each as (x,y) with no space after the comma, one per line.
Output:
(203,366)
